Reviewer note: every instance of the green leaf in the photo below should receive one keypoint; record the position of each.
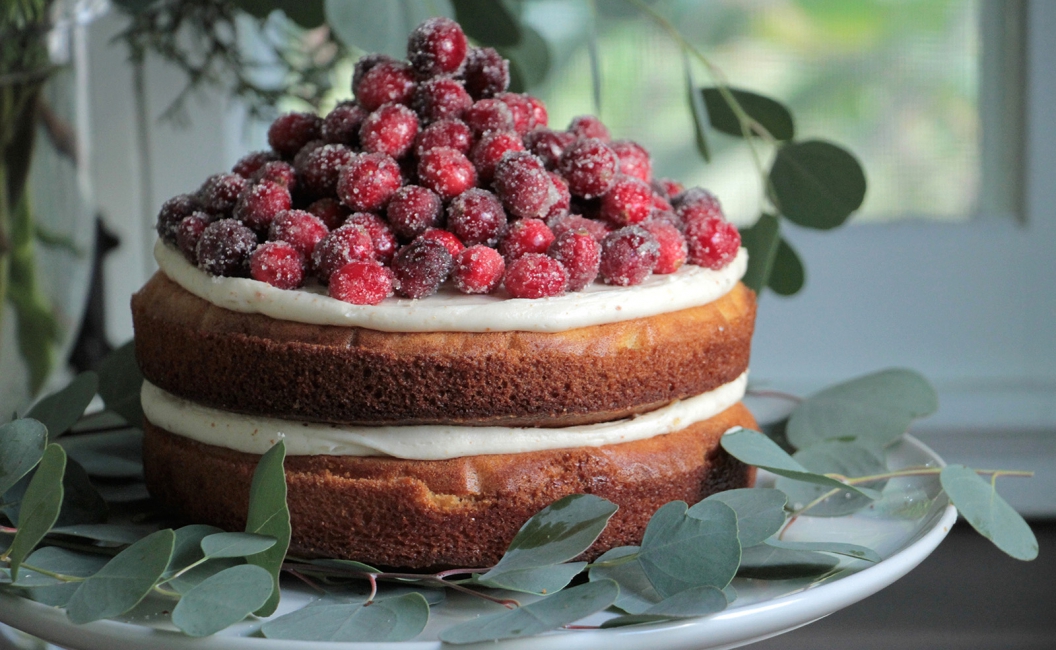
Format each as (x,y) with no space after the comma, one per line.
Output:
(110,533)
(979,503)
(385,620)
(222,600)
(847,458)
(681,551)
(382,27)
(58,560)
(120,382)
(308,14)
(124,581)
(529,61)
(762,240)
(755,448)
(112,454)
(186,550)
(563,608)
(538,580)
(40,506)
(693,602)
(637,594)
(787,275)
(760,512)
(696,109)
(838,548)
(61,410)
(765,562)
(817,184)
(22,444)
(876,409)
(487,22)
(268,515)
(81,502)
(220,545)
(770,113)
(194,577)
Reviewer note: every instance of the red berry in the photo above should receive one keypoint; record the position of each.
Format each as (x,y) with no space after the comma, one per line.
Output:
(524,185)
(292,131)
(368,181)
(385,243)
(173,212)
(444,133)
(673,250)
(188,232)
(490,149)
(412,210)
(574,222)
(634,159)
(361,282)
(539,115)
(450,242)
(589,167)
(421,267)
(713,242)
(548,145)
(219,193)
(588,126)
(536,276)
(627,202)
(341,125)
(478,269)
(521,108)
(347,243)
(224,248)
(563,202)
(476,217)
(322,167)
(277,263)
(526,236)
(389,130)
(696,196)
(667,216)
(628,256)
(699,210)
(365,63)
(259,204)
(441,98)
(330,211)
(248,164)
(660,203)
(385,81)
(437,46)
(279,172)
(299,229)
(669,186)
(580,254)
(446,171)
(487,73)
(488,115)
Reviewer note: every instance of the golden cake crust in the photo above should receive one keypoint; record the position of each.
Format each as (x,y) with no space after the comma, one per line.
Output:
(462,511)
(251,363)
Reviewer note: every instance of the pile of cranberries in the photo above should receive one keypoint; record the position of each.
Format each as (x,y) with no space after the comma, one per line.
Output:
(436,173)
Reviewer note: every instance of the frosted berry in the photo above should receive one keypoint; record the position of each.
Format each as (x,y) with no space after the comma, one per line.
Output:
(188,232)
(224,248)
(490,149)
(573,222)
(421,267)
(701,208)
(444,133)
(219,193)
(670,187)
(476,217)
(521,108)
(322,167)
(446,171)
(628,201)
(277,263)
(526,236)
(563,198)
(588,126)
(330,210)
(347,243)
(536,276)
(486,73)
(412,210)
(673,250)
(381,234)
(696,196)
(539,115)
(548,145)
(389,130)
(450,242)
(368,181)
(437,46)
(173,212)
(524,185)
(488,115)
(589,167)
(300,229)
(478,269)
(341,125)
(248,164)
(292,131)
(258,205)
(385,81)
(660,203)
(667,216)
(628,256)
(361,282)
(441,98)
(580,254)
(713,242)
(279,172)
(634,159)
(365,63)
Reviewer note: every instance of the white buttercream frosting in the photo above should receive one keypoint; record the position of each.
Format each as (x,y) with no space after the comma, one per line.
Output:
(255,435)
(450,311)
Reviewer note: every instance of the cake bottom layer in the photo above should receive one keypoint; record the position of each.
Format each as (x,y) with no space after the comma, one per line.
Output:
(457,512)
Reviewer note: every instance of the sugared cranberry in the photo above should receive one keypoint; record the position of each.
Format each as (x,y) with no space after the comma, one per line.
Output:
(322,167)
(277,263)
(421,267)
(673,250)
(539,115)
(224,248)
(248,164)
(347,243)
(660,203)
(188,232)
(573,222)
(385,81)
(446,171)
(521,108)
(437,46)
(450,242)
(368,181)
(696,196)
(487,73)
(580,254)
(700,208)
(381,234)
(490,149)
(628,256)
(634,159)
(627,202)
(526,236)
(441,98)
(670,187)
(524,186)
(258,205)
(341,125)
(365,63)
(588,126)
(548,145)
(563,202)
(299,229)
(536,276)
(279,172)
(478,269)
(173,212)
(589,166)
(444,133)
(389,130)
(412,210)
(292,131)
(330,211)
(488,115)
(219,193)
(713,242)
(669,217)
(361,282)
(476,217)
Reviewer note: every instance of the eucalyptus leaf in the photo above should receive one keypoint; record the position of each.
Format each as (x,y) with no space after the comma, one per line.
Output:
(222,600)
(563,608)
(760,512)
(53,592)
(379,26)
(691,603)
(696,109)
(110,533)
(220,545)
(762,240)
(61,410)
(777,431)
(621,565)
(124,581)
(817,184)
(40,506)
(979,503)
(120,382)
(187,546)
(268,515)
(680,551)
(529,60)
(876,408)
(855,551)
(488,22)
(385,620)
(536,580)
(847,458)
(770,113)
(81,502)
(22,444)
(110,454)
(190,579)
(345,564)
(787,275)
(765,562)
